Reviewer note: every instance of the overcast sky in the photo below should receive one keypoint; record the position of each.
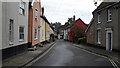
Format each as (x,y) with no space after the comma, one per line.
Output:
(61,10)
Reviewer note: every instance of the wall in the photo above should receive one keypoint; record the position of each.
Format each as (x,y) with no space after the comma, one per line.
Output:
(42,30)
(91,34)
(0,25)
(105,24)
(47,32)
(11,11)
(119,26)
(36,24)
(0,33)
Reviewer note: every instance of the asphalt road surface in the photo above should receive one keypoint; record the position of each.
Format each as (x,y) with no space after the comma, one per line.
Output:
(66,54)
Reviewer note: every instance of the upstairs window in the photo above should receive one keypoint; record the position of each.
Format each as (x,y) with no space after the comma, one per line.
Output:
(109,15)
(36,14)
(99,17)
(22,8)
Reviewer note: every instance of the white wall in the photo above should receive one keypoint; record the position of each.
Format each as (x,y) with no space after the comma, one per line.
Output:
(0,34)
(11,11)
(0,25)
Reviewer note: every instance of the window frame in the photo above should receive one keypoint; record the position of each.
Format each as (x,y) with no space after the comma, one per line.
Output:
(23,33)
(99,17)
(22,8)
(35,34)
(98,36)
(11,32)
(36,14)
(109,15)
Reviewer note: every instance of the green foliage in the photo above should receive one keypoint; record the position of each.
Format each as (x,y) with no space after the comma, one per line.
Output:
(78,31)
(82,40)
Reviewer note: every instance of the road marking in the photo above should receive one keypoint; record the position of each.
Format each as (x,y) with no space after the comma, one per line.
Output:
(111,60)
(29,64)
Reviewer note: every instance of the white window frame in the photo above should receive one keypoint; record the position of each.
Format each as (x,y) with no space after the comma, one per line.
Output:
(22,8)
(99,16)
(36,14)
(109,30)
(11,31)
(109,15)
(21,33)
(35,33)
(98,37)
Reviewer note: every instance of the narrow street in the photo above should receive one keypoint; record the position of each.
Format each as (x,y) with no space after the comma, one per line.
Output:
(66,54)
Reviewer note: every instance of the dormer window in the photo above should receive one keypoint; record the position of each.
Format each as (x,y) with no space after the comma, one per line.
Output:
(36,14)
(109,15)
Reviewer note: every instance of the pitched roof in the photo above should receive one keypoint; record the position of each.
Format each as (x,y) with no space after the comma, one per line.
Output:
(104,5)
(76,22)
(47,21)
(91,22)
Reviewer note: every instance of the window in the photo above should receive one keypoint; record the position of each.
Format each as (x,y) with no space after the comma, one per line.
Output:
(21,33)
(22,8)
(109,15)
(35,34)
(11,25)
(42,34)
(98,37)
(36,14)
(99,16)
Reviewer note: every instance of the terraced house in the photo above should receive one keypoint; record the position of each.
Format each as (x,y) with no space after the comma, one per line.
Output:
(42,28)
(46,30)
(13,27)
(106,26)
(34,23)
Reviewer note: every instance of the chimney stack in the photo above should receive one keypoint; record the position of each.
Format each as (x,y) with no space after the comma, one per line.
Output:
(74,18)
(42,11)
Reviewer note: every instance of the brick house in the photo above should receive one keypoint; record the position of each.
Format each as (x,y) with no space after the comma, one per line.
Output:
(106,26)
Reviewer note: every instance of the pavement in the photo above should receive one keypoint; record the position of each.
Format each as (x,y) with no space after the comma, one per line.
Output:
(25,57)
(111,54)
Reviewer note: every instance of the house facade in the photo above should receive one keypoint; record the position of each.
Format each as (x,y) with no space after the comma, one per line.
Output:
(74,26)
(42,30)
(90,32)
(48,31)
(34,23)
(107,22)
(14,28)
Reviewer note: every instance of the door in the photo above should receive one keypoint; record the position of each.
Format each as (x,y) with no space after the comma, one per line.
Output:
(109,40)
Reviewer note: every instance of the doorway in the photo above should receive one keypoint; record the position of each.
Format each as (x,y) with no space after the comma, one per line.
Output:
(109,40)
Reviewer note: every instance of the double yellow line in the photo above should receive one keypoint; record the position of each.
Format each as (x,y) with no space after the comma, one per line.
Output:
(111,60)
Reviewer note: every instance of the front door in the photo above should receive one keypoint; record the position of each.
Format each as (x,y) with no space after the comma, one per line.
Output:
(109,40)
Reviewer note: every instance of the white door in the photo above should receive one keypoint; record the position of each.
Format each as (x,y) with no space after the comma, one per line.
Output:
(109,40)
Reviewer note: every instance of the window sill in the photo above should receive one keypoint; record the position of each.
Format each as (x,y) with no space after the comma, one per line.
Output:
(98,23)
(109,21)
(21,40)
(11,43)
(35,39)
(22,14)
(98,42)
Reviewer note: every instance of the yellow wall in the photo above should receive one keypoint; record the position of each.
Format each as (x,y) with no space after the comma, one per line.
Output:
(48,31)
(42,30)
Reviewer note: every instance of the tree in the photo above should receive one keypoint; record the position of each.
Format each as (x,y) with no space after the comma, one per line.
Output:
(77,32)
